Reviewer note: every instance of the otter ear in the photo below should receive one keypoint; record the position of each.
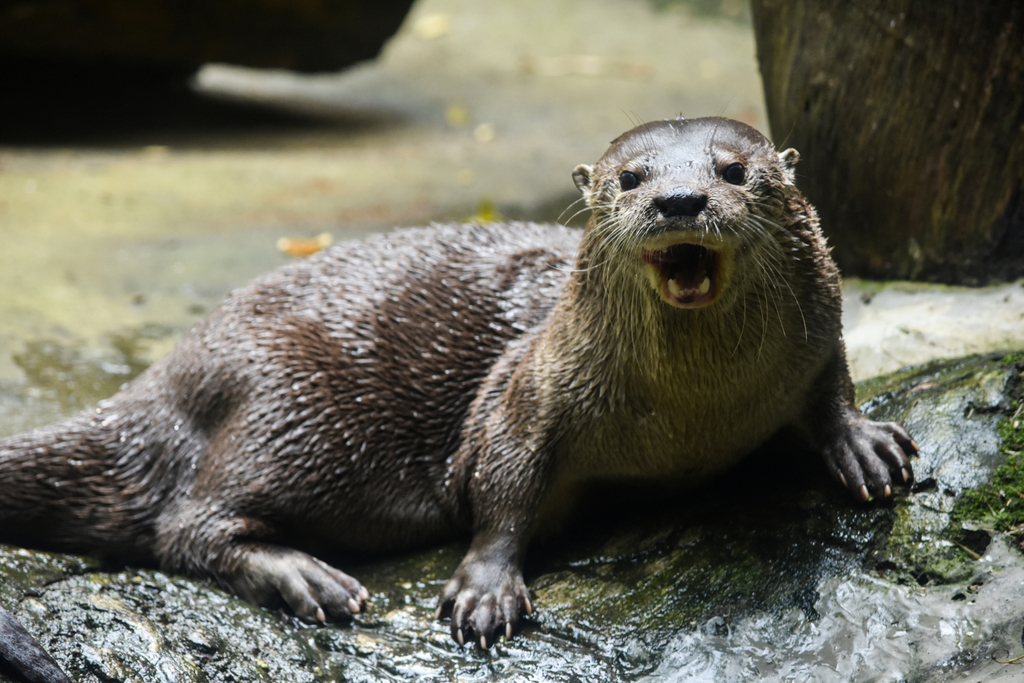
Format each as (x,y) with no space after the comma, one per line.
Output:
(583,176)
(789,158)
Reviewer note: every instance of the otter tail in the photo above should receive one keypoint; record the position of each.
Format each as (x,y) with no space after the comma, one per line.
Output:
(59,489)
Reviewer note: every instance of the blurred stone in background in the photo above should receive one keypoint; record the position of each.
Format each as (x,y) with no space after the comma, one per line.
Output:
(74,67)
(303,35)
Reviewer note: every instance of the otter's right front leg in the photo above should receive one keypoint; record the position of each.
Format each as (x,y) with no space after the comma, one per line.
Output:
(486,595)
(505,468)
(229,551)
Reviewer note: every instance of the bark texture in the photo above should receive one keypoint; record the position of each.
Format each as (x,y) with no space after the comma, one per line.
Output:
(910,118)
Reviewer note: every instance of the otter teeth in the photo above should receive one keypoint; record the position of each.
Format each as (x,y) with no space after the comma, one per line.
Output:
(676,290)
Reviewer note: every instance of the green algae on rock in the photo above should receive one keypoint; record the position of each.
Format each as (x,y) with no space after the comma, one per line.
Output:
(955,408)
(999,504)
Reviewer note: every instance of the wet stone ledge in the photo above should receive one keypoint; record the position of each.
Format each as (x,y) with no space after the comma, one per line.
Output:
(772,573)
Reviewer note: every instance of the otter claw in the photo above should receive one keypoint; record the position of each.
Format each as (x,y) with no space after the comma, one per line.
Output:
(312,589)
(869,458)
(484,601)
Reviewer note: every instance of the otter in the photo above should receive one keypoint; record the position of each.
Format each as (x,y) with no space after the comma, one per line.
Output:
(468,380)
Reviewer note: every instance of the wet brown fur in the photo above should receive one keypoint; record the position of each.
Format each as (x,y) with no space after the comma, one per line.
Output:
(463,380)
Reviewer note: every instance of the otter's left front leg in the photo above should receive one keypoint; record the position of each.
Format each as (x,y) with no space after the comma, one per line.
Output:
(867,457)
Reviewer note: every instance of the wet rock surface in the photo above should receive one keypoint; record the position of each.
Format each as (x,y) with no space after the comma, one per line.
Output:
(772,573)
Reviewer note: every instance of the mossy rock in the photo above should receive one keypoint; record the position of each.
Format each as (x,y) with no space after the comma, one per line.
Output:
(771,573)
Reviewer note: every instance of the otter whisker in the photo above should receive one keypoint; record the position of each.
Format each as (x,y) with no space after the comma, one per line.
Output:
(743,326)
(760,225)
(769,272)
(602,228)
(568,208)
(576,213)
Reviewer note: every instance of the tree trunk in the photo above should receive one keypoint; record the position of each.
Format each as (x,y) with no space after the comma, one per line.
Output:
(909,115)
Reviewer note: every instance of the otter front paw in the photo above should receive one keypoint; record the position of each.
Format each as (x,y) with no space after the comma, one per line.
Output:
(313,589)
(484,600)
(869,457)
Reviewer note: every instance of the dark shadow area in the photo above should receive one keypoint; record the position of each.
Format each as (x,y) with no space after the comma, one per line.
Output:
(760,493)
(755,503)
(111,103)
(8,672)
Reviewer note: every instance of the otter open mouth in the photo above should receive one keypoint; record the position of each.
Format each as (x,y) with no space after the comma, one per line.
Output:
(687,275)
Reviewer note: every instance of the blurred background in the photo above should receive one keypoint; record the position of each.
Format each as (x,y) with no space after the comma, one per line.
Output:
(156,154)
(140,182)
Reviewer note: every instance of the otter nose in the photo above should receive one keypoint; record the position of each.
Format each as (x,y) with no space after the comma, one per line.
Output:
(681,202)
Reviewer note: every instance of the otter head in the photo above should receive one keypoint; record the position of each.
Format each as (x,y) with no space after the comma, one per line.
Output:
(684,200)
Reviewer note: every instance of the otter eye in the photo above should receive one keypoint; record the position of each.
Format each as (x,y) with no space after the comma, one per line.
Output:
(628,180)
(735,173)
